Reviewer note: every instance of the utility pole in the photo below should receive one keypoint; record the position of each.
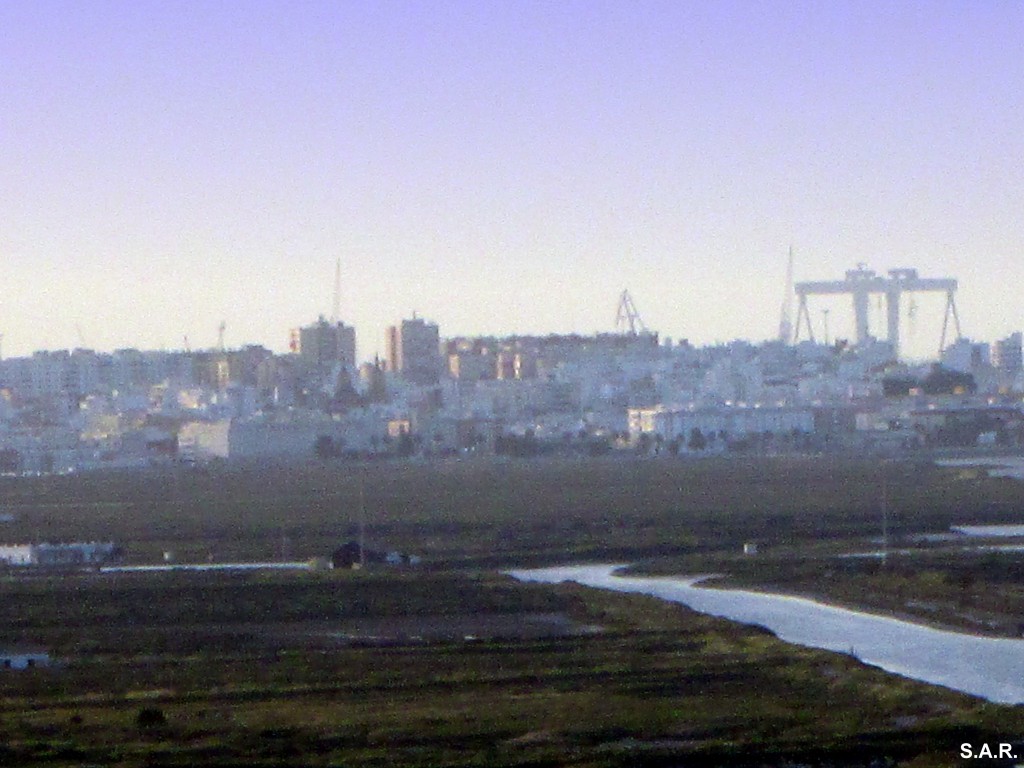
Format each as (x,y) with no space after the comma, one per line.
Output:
(285,552)
(362,522)
(885,518)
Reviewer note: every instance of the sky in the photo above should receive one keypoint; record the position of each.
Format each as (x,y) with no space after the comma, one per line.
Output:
(500,167)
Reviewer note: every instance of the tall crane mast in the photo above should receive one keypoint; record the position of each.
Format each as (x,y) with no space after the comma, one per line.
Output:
(786,316)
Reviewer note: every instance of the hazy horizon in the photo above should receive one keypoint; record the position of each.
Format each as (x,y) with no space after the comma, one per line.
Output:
(499,168)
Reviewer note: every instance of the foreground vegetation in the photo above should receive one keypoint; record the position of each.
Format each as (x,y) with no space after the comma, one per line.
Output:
(149,680)
(452,663)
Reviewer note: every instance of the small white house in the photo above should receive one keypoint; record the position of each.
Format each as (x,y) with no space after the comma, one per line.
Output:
(17,554)
(23,659)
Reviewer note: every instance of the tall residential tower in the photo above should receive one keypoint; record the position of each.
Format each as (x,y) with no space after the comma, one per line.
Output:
(413,351)
(323,344)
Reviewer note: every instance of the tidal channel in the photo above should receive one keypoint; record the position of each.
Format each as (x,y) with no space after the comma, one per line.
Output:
(989,667)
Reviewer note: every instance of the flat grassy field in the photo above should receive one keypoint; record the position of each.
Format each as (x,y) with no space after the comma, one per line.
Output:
(451,663)
(494,512)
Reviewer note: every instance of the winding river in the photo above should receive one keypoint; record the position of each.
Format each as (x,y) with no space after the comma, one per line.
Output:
(989,667)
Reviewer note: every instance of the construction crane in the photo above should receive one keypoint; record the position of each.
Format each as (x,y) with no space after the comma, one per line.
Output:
(627,319)
(861,283)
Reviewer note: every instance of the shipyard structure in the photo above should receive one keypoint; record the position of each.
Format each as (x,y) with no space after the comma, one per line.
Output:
(861,284)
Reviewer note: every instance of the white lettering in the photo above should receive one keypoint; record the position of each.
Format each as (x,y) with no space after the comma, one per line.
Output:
(1005,751)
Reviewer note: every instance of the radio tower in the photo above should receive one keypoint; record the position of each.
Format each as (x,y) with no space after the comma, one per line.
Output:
(336,305)
(627,319)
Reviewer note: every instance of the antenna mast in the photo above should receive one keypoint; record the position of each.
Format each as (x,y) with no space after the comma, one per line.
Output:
(336,305)
(627,319)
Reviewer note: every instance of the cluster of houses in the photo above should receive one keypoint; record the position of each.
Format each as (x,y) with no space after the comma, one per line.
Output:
(71,411)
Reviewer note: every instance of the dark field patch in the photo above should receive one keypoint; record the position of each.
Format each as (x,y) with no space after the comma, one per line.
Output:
(494,512)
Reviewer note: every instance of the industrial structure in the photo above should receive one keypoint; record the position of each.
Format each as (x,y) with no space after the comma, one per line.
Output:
(627,318)
(786,316)
(861,283)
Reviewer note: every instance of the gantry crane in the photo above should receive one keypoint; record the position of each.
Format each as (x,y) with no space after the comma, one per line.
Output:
(861,283)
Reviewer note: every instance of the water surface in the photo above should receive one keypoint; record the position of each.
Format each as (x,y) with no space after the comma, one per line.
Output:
(989,667)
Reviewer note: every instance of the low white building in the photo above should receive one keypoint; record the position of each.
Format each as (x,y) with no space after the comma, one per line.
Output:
(77,553)
(201,440)
(257,439)
(734,421)
(17,554)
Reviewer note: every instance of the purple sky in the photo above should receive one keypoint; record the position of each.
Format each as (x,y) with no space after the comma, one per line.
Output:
(499,167)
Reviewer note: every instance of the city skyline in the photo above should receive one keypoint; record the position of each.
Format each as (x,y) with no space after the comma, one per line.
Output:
(499,169)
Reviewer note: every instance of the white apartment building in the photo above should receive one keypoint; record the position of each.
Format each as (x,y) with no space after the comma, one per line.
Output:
(257,439)
(735,421)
